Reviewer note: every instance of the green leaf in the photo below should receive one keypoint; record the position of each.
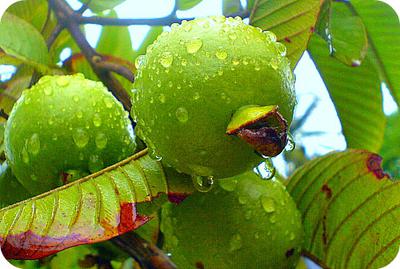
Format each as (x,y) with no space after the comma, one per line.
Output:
(292,21)
(231,6)
(344,32)
(356,93)
(22,41)
(186,4)
(383,28)
(101,5)
(108,203)
(32,11)
(350,210)
(390,150)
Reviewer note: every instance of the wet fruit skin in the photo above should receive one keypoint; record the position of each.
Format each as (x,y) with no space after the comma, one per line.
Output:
(244,222)
(194,78)
(11,191)
(63,128)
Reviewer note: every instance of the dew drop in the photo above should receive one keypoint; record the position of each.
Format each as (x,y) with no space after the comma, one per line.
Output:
(166,59)
(140,61)
(272,219)
(25,156)
(79,114)
(292,236)
(256,235)
(80,137)
(62,81)
(221,54)
(108,102)
(269,168)
(101,140)
(161,98)
(291,145)
(48,91)
(155,156)
(182,114)
(34,144)
(95,163)
(270,36)
(274,63)
(184,62)
(50,121)
(235,62)
(242,199)
(196,96)
(97,120)
(228,184)
(281,49)
(186,26)
(75,98)
(54,137)
(268,204)
(194,45)
(232,36)
(235,243)
(203,184)
(257,68)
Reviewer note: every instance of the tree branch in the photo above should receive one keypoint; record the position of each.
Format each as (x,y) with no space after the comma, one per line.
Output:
(145,253)
(68,18)
(3,114)
(168,20)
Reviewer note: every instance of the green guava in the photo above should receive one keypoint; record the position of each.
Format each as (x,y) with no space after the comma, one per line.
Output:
(11,191)
(244,222)
(63,128)
(194,78)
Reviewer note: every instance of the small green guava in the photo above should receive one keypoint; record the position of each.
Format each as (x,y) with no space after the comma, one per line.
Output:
(194,78)
(11,191)
(244,222)
(63,128)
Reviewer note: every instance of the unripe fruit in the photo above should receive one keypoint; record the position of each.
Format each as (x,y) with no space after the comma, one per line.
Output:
(63,128)
(11,191)
(244,222)
(194,78)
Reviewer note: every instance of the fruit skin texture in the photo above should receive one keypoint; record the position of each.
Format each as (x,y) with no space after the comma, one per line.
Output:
(194,78)
(11,190)
(65,124)
(244,222)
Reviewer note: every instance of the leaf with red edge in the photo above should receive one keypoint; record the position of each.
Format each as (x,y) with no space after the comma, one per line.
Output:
(292,21)
(106,204)
(350,210)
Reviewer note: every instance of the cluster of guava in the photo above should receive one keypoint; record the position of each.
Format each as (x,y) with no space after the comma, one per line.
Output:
(211,98)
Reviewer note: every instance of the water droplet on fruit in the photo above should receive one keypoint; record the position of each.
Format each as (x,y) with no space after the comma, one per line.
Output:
(80,137)
(270,36)
(186,26)
(269,168)
(219,19)
(235,243)
(228,184)
(162,98)
(54,137)
(101,140)
(75,98)
(95,163)
(274,63)
(62,81)
(256,235)
(182,114)
(48,91)
(155,156)
(97,120)
(203,184)
(221,54)
(108,102)
(194,45)
(272,219)
(257,68)
(34,144)
(235,62)
(292,236)
(25,156)
(166,59)
(291,145)
(281,49)
(242,199)
(50,121)
(232,36)
(196,96)
(268,203)
(140,61)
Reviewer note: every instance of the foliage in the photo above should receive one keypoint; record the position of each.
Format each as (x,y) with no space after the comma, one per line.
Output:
(349,205)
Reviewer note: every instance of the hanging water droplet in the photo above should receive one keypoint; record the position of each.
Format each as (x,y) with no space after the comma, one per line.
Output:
(166,59)
(34,144)
(221,54)
(48,91)
(186,26)
(80,137)
(291,145)
(203,184)
(62,81)
(95,163)
(79,114)
(280,48)
(235,243)
(97,120)
(182,114)
(155,156)
(274,63)
(235,62)
(257,68)
(101,141)
(269,168)
(270,36)
(25,156)
(140,61)
(268,203)
(228,184)
(194,45)
(219,19)
(161,98)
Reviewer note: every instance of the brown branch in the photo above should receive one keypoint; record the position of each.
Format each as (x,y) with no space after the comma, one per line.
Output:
(145,253)
(116,68)
(3,114)
(68,18)
(53,36)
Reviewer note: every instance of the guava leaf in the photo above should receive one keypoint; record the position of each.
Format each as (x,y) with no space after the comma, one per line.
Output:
(383,28)
(231,6)
(390,150)
(101,5)
(356,94)
(21,40)
(350,210)
(345,33)
(292,21)
(187,4)
(108,203)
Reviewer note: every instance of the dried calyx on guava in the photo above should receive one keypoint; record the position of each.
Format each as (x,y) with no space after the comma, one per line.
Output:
(191,82)
(63,128)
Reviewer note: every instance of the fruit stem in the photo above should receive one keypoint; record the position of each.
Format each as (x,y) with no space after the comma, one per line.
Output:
(262,127)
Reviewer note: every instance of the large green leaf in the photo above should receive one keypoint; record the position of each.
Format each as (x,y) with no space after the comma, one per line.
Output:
(350,210)
(390,149)
(383,28)
(344,31)
(356,93)
(21,40)
(108,203)
(32,11)
(292,21)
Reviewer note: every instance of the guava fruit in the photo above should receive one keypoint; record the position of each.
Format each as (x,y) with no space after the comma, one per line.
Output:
(63,128)
(244,222)
(11,191)
(191,82)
